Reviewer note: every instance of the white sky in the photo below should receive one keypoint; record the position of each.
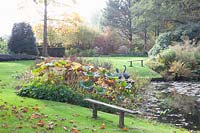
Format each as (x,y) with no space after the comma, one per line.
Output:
(10,13)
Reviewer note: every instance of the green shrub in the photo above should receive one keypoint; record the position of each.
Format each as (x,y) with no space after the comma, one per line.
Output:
(54,92)
(155,65)
(87,53)
(167,57)
(22,40)
(179,61)
(163,41)
(197,69)
(71,52)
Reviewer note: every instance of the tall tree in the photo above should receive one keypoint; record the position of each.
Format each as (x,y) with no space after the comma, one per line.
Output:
(45,40)
(22,39)
(118,15)
(45,45)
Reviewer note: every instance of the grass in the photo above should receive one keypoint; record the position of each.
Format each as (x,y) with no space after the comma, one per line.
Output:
(118,62)
(18,114)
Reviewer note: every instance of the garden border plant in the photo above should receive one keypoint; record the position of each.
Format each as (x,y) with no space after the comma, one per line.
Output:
(66,81)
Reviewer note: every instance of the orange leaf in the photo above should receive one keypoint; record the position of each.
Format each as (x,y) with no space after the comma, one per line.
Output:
(36,108)
(125,129)
(40,123)
(74,130)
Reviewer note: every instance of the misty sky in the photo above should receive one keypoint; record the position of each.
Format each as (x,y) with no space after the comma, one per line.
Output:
(10,13)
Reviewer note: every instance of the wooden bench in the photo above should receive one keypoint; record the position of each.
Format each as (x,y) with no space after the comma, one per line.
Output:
(131,62)
(121,110)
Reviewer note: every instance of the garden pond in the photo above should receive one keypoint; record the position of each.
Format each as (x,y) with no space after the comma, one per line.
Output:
(173,102)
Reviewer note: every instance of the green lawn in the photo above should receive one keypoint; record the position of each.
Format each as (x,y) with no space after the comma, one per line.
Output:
(17,113)
(118,62)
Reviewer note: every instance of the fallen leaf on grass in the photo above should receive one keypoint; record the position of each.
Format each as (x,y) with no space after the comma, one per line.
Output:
(75,126)
(50,125)
(35,108)
(102,126)
(19,126)
(35,115)
(4,125)
(65,128)
(74,130)
(19,116)
(40,123)
(71,121)
(94,130)
(3,118)
(125,129)
(24,109)
(63,119)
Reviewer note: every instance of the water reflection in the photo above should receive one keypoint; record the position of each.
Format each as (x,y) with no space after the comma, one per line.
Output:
(174,102)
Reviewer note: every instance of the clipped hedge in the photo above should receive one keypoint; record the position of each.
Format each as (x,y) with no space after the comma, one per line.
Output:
(7,57)
(54,52)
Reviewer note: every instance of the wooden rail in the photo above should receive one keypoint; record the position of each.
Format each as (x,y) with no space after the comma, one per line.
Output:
(121,110)
(131,62)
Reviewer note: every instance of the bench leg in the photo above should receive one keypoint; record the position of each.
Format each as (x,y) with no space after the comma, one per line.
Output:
(142,63)
(94,112)
(121,119)
(131,64)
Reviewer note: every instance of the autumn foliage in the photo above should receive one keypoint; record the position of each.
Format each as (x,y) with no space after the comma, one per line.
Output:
(81,80)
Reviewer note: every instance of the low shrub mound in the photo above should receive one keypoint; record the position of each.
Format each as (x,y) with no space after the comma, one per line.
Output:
(66,81)
(179,62)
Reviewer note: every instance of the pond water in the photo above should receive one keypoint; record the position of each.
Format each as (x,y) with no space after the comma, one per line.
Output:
(173,102)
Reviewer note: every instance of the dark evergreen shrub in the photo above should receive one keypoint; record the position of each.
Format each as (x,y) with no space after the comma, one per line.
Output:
(22,40)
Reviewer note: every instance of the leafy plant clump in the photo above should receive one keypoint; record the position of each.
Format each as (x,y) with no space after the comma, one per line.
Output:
(66,81)
(180,61)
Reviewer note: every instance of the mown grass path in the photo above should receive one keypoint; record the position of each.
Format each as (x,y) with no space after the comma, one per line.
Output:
(26,115)
(118,62)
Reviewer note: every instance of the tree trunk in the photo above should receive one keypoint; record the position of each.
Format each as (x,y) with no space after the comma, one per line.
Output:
(44,50)
(158,30)
(145,36)
(145,39)
(130,38)
(130,42)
